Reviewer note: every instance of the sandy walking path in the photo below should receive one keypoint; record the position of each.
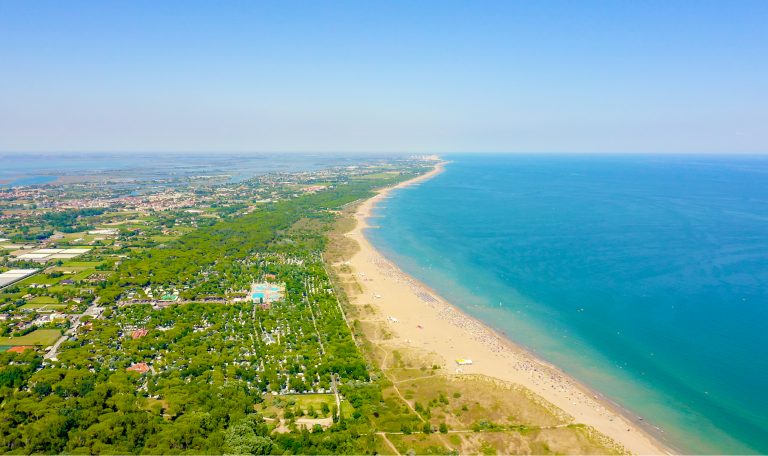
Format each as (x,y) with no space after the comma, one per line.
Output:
(428,322)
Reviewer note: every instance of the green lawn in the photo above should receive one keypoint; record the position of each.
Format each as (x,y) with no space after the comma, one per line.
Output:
(38,278)
(10,296)
(71,269)
(43,300)
(316,400)
(81,275)
(43,337)
(81,264)
(43,307)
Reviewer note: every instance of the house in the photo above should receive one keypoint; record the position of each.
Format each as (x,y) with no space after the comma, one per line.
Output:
(139,333)
(141,368)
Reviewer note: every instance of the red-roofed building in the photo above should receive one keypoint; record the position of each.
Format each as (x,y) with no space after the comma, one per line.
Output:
(139,333)
(20,348)
(141,368)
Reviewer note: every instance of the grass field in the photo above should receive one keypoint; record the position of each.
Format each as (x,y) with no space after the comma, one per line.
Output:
(81,275)
(42,337)
(384,175)
(10,296)
(463,401)
(419,444)
(70,269)
(306,400)
(81,264)
(44,307)
(316,401)
(39,278)
(42,300)
(274,406)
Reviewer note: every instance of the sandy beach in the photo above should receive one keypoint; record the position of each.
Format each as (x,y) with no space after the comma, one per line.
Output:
(421,319)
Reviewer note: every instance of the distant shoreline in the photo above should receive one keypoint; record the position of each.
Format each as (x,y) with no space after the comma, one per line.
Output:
(494,354)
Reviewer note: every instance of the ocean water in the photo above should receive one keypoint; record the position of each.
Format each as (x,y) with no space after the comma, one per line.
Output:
(645,277)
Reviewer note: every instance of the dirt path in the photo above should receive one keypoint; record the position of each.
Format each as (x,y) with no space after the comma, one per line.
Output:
(386,440)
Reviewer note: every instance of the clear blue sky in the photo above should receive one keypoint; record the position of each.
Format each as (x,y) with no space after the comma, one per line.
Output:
(571,76)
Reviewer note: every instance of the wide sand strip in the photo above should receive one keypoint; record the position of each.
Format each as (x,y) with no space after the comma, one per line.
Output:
(423,320)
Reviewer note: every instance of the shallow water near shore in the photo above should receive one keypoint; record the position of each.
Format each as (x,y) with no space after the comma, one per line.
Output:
(642,276)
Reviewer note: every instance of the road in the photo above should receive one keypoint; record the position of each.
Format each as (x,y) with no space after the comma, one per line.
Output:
(92,310)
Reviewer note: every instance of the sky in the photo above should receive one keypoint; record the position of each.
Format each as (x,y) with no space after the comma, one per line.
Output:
(384,76)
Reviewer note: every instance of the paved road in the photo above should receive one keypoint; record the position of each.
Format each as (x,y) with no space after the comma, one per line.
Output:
(92,310)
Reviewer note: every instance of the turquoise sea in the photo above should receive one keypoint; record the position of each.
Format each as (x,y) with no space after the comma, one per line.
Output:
(646,277)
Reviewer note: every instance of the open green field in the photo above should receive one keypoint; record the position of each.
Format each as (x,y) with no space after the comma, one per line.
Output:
(81,264)
(44,337)
(78,270)
(303,402)
(274,406)
(384,175)
(71,269)
(39,279)
(5,296)
(81,275)
(315,400)
(43,307)
(420,444)
(42,300)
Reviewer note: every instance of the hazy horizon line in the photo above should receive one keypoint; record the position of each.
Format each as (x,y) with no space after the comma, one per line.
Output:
(367,152)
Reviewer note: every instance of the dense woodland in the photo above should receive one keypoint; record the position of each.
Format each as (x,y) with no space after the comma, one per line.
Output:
(212,365)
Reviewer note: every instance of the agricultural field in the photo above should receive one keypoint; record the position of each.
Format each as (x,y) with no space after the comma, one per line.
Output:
(43,304)
(42,337)
(38,301)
